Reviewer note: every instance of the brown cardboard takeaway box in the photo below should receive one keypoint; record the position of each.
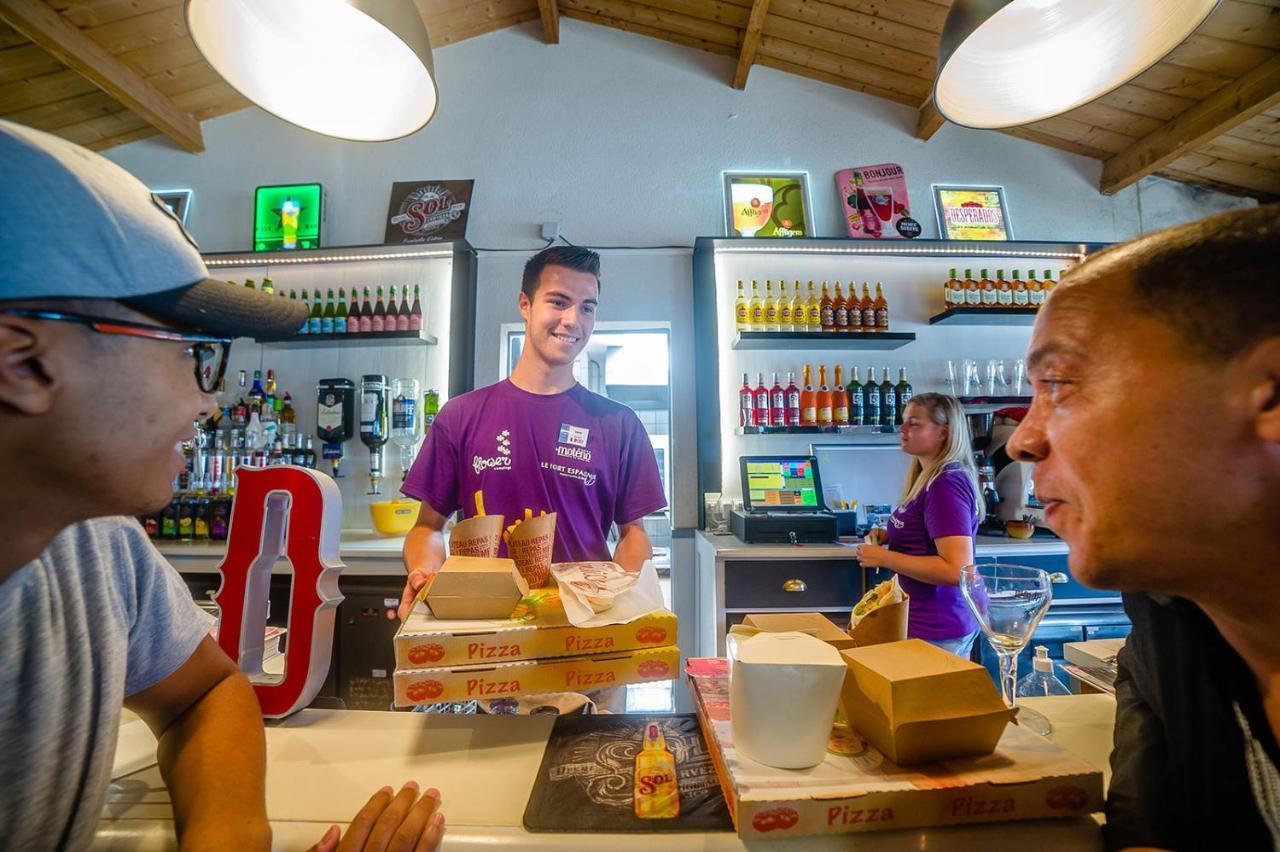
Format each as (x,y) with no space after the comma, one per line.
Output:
(917,703)
(475,587)
(856,788)
(813,623)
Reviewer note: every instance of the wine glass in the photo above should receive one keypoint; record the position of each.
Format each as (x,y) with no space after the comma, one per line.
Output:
(1009,601)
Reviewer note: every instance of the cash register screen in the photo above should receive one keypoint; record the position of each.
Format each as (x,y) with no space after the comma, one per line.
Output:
(781,484)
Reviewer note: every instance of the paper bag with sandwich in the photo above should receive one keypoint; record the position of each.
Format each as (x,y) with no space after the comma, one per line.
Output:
(881,615)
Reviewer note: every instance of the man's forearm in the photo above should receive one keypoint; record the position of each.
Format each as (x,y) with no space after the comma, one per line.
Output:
(213,759)
(423,550)
(633,548)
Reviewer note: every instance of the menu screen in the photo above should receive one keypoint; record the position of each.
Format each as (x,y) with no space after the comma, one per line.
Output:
(782,483)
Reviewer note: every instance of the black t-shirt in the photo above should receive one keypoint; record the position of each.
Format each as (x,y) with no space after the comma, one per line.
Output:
(1180,777)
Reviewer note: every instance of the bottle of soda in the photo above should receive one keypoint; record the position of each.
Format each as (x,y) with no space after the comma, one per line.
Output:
(430,408)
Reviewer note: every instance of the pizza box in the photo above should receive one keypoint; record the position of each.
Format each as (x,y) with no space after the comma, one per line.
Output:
(527,677)
(856,788)
(537,629)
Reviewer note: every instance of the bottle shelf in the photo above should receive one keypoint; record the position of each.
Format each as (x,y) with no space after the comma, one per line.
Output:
(985,316)
(849,340)
(877,434)
(363,339)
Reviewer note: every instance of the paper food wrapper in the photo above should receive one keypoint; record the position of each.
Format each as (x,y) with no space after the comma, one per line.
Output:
(887,622)
(530,545)
(641,599)
(480,536)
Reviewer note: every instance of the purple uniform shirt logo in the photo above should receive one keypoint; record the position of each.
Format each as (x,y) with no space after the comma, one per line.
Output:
(575,435)
(502,461)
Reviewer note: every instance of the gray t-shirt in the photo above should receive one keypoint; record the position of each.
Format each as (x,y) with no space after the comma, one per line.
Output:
(98,616)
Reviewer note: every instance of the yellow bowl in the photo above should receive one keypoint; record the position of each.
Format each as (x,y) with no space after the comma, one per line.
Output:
(394,517)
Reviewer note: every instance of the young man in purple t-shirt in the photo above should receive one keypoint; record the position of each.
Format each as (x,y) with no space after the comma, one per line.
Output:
(539,441)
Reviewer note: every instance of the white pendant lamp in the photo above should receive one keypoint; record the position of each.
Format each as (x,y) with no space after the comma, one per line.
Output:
(1003,63)
(353,69)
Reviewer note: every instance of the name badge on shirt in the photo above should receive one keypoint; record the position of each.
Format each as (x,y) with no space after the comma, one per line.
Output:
(575,435)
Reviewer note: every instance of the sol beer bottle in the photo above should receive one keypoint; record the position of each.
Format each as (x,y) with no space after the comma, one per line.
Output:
(657,795)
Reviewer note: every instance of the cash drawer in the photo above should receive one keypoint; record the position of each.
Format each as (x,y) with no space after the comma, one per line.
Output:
(809,583)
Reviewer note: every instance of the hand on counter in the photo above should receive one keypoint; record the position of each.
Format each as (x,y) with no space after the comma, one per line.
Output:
(400,822)
(873,555)
(412,585)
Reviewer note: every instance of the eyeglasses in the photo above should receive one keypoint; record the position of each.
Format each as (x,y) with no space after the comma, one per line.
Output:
(210,353)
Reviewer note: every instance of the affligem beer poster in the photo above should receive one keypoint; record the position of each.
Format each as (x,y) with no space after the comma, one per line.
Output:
(972,213)
(766,205)
(428,211)
(875,203)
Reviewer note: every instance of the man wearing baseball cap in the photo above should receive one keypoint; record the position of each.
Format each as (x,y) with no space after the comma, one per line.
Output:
(112,339)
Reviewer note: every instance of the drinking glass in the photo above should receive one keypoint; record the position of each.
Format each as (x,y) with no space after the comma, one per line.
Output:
(1009,601)
(972,382)
(997,381)
(951,377)
(1020,378)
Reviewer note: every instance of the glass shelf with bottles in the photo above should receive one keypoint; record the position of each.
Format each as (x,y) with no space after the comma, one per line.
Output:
(999,301)
(866,408)
(819,319)
(374,320)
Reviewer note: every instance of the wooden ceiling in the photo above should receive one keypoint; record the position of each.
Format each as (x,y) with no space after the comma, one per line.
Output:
(106,72)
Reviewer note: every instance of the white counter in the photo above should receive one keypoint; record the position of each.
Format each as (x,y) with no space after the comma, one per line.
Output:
(732,547)
(324,764)
(365,553)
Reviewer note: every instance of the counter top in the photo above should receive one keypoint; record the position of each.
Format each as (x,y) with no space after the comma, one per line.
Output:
(731,547)
(353,753)
(365,553)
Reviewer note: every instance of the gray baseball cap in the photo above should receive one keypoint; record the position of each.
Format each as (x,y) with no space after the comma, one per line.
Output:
(73,224)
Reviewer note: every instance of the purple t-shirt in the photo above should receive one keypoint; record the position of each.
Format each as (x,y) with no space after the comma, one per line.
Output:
(578,454)
(945,508)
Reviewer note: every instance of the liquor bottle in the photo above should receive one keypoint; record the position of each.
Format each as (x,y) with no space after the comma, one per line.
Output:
(770,308)
(746,402)
(760,411)
(888,402)
(257,394)
(882,309)
(793,401)
(972,292)
(868,309)
(366,314)
(828,310)
(857,398)
(988,290)
(315,319)
(905,392)
(1035,291)
(823,397)
(784,308)
(248,283)
(755,308)
(799,315)
(392,315)
(415,311)
(952,291)
(839,400)
(402,318)
(288,419)
(186,516)
(1021,297)
(326,318)
(379,314)
(306,323)
(741,316)
(861,203)
(353,312)
(268,286)
(871,405)
(777,403)
(840,311)
(1004,290)
(657,792)
(430,408)
(812,310)
(310,452)
(1048,283)
(808,401)
(340,315)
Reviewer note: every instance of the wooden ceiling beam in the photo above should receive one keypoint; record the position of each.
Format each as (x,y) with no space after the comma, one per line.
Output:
(1226,108)
(549,10)
(928,120)
(750,42)
(65,42)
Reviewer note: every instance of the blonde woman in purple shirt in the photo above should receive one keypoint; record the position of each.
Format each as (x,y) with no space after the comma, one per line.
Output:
(930,536)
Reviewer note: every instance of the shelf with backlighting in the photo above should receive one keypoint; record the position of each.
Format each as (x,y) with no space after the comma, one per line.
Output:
(985,316)
(869,434)
(851,340)
(363,339)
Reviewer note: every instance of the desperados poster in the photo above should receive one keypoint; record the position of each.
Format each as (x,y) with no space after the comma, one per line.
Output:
(972,213)
(767,204)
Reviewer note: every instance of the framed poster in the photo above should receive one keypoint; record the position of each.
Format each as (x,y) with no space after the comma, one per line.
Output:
(971,212)
(177,200)
(287,217)
(766,204)
(874,201)
(428,211)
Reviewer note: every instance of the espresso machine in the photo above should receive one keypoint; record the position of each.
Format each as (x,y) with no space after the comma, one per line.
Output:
(1014,482)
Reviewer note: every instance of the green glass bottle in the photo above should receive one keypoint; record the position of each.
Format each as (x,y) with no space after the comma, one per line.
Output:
(888,402)
(905,392)
(340,315)
(314,319)
(857,399)
(326,318)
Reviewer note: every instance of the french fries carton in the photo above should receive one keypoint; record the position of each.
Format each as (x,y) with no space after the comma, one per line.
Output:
(508,680)
(856,788)
(537,629)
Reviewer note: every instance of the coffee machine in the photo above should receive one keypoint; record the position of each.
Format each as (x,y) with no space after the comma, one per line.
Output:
(1014,482)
